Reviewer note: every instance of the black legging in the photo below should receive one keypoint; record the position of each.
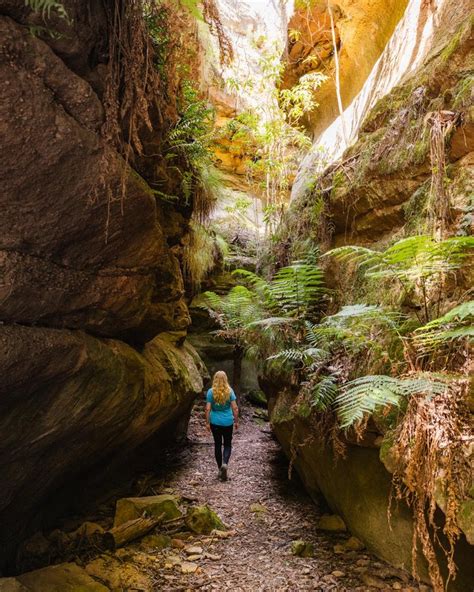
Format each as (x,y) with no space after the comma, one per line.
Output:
(219,433)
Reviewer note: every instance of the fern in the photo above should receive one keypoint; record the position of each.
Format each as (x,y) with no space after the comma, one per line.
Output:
(364,395)
(305,356)
(409,259)
(455,324)
(324,393)
(298,289)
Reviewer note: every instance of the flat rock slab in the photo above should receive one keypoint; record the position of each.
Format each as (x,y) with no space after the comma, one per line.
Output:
(65,577)
(130,508)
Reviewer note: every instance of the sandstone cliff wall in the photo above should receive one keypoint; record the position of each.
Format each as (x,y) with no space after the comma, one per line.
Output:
(92,309)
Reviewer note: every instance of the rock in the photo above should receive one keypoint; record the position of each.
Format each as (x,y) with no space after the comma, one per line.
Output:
(86,529)
(256,508)
(156,541)
(465,519)
(257,397)
(11,585)
(301,548)
(118,574)
(193,550)
(397,586)
(354,544)
(332,522)
(85,270)
(65,577)
(223,534)
(130,395)
(373,581)
(187,567)
(202,520)
(339,549)
(194,557)
(212,556)
(338,574)
(153,506)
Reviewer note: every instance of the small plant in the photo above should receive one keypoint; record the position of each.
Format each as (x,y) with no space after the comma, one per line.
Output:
(46,7)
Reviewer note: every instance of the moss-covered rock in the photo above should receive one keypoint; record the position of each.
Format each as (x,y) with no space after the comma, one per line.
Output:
(203,520)
(164,505)
(302,548)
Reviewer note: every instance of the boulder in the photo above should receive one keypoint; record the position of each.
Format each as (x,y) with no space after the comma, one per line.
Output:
(84,400)
(129,508)
(202,520)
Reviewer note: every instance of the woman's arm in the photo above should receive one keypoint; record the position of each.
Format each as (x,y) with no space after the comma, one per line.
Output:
(208,416)
(235,411)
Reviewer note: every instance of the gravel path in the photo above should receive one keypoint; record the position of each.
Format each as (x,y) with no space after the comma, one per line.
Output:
(267,512)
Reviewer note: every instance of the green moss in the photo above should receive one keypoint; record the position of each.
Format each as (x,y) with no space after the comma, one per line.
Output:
(451,47)
(462,93)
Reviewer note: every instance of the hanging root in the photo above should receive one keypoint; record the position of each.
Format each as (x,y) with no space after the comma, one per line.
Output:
(441,125)
(433,468)
(213,19)
(134,89)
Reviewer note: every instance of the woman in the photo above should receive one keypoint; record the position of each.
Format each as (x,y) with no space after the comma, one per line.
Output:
(222,414)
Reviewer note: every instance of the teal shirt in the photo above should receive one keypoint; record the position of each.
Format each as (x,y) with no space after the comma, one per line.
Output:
(221,415)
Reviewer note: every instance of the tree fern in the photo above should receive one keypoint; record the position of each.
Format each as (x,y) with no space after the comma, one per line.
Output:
(364,395)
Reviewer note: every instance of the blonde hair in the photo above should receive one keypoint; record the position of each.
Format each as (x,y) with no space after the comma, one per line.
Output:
(220,388)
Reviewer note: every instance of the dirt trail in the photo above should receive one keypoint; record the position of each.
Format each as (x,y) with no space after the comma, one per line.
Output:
(258,556)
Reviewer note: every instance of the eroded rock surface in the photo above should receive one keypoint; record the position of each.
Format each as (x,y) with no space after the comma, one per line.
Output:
(92,307)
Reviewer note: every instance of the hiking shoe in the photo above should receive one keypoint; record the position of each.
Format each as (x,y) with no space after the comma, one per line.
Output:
(224,473)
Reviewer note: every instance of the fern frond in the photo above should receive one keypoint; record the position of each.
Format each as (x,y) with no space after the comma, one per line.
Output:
(364,395)
(324,393)
(458,323)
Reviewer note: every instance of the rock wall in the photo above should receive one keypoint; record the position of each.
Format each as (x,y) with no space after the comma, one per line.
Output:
(357,487)
(361,28)
(384,177)
(92,309)
(375,193)
(425,29)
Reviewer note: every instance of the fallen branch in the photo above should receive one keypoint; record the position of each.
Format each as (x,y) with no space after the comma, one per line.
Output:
(129,531)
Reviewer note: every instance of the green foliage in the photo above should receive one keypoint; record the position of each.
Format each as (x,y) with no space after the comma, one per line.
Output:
(355,328)
(202,253)
(46,7)
(191,140)
(418,263)
(364,395)
(409,259)
(457,324)
(192,134)
(323,395)
(298,289)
